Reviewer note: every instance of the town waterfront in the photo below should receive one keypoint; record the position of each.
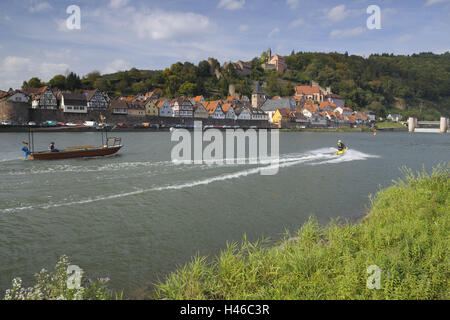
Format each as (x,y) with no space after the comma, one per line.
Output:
(134,217)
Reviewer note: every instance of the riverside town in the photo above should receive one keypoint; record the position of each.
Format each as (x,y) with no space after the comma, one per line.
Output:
(310,107)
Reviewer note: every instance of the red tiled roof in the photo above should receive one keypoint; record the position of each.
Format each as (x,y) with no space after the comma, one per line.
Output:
(285,112)
(211,106)
(307,90)
(226,107)
(198,98)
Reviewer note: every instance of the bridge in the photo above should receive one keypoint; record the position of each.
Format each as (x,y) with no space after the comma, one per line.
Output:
(429,126)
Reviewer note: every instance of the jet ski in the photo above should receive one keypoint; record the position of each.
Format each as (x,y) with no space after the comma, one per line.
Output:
(341,152)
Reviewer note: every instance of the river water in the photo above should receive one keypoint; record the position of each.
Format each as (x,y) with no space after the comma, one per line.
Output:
(136,216)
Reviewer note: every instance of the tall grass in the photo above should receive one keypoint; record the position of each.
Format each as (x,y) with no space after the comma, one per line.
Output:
(405,235)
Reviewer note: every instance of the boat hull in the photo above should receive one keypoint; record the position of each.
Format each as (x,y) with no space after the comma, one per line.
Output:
(65,154)
(341,152)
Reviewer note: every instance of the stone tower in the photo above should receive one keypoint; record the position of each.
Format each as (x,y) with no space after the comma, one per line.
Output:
(257,97)
(231,90)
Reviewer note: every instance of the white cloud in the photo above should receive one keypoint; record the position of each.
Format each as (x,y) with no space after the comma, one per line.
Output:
(339,34)
(39,6)
(116,4)
(405,38)
(293,3)
(117,65)
(231,4)
(296,23)
(161,25)
(273,32)
(243,27)
(431,2)
(14,70)
(338,13)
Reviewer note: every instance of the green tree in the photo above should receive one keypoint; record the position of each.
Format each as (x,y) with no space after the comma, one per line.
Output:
(58,81)
(73,82)
(187,89)
(204,69)
(35,83)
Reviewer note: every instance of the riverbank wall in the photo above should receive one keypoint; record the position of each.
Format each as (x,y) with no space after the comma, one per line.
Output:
(14,111)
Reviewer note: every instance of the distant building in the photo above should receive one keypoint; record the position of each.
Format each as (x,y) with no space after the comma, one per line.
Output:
(394,117)
(182,108)
(200,112)
(315,92)
(243,113)
(14,96)
(283,114)
(270,106)
(197,99)
(119,107)
(42,98)
(336,99)
(95,100)
(136,108)
(164,107)
(344,111)
(241,68)
(228,110)
(258,97)
(215,110)
(310,93)
(276,62)
(73,103)
(151,107)
(371,115)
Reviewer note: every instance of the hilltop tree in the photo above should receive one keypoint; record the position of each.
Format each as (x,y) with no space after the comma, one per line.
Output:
(58,81)
(73,82)
(187,89)
(89,79)
(35,83)
(204,69)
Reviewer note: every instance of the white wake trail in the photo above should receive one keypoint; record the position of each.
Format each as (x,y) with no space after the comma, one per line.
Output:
(286,161)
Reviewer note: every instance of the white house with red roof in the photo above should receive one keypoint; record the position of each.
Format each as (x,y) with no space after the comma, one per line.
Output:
(164,107)
(182,108)
(344,111)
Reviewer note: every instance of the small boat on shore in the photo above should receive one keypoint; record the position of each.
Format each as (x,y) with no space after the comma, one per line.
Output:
(79,151)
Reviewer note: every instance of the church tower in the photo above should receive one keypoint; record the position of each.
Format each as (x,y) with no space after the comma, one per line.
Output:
(257,97)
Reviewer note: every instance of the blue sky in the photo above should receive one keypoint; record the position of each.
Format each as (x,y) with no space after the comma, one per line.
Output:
(120,34)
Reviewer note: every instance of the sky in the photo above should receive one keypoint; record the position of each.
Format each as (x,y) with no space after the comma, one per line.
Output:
(117,35)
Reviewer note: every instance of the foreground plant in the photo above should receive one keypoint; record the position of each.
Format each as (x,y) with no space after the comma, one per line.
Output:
(58,286)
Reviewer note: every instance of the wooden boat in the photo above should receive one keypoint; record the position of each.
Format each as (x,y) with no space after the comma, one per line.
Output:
(112,146)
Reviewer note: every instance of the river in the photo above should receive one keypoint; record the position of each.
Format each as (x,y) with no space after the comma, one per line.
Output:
(136,216)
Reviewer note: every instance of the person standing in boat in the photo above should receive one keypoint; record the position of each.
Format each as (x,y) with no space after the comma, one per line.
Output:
(52,147)
(25,149)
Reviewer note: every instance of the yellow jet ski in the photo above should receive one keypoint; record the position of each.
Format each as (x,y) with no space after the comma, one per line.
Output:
(340,152)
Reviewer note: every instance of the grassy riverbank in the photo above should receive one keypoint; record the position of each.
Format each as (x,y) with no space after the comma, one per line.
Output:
(405,235)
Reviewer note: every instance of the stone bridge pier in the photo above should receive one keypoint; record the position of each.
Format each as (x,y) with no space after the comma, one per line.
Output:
(444,125)
(412,122)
